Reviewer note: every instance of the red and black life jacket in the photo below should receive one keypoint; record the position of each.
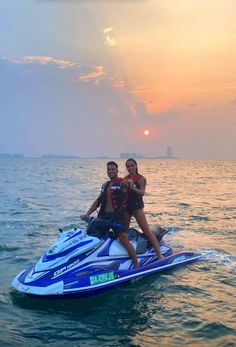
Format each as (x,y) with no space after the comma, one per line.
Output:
(135,178)
(117,196)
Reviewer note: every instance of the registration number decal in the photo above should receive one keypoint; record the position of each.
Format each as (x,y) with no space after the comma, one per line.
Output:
(102,278)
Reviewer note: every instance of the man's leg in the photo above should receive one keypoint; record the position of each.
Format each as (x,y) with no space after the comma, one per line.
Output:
(126,218)
(98,227)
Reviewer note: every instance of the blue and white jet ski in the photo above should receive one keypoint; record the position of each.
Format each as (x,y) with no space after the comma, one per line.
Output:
(81,265)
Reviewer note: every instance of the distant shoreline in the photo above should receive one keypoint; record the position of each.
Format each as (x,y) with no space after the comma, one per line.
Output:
(79,158)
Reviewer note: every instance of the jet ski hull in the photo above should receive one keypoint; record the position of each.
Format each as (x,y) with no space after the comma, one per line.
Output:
(96,279)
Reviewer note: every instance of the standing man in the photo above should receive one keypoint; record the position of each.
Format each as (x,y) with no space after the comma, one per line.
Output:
(111,201)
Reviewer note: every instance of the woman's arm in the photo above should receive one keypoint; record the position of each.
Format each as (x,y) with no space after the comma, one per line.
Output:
(141,190)
(124,185)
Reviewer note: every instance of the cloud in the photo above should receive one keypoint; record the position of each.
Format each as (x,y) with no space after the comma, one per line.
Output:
(68,101)
(63,64)
(142,116)
(109,40)
(96,75)
(10,60)
(44,60)
(118,82)
(63,108)
(142,89)
(119,100)
(90,73)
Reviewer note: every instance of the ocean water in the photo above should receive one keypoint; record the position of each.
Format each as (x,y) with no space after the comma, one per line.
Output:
(193,305)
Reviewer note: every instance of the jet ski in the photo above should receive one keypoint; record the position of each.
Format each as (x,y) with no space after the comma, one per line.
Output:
(79,264)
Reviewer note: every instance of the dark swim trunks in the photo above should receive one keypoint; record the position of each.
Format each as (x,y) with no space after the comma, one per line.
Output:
(101,225)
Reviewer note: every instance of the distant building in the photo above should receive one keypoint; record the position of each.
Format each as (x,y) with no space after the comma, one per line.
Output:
(101,157)
(18,155)
(168,154)
(131,155)
(5,155)
(58,156)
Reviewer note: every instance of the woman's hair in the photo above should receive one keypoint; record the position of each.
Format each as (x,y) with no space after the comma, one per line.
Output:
(134,161)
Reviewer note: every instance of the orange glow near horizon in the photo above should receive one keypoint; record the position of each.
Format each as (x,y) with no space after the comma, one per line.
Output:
(180,66)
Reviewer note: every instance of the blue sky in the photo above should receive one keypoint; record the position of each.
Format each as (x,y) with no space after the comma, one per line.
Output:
(89,77)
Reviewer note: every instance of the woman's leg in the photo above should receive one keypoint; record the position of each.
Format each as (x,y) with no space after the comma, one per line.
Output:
(124,240)
(142,222)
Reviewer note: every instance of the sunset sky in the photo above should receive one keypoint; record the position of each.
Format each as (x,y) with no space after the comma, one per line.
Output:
(88,77)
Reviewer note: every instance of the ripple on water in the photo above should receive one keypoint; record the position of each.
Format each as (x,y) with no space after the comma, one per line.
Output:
(199,218)
(186,288)
(213,330)
(184,204)
(8,248)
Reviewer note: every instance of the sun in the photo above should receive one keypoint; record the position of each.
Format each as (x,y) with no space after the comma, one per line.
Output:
(146,132)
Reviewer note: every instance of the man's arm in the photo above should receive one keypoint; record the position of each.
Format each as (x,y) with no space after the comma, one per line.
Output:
(92,208)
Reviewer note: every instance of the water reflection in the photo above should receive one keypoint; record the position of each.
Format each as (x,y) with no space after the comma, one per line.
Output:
(117,314)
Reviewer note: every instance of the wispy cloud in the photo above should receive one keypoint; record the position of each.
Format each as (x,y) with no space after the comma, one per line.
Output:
(110,41)
(142,89)
(44,60)
(63,64)
(121,100)
(96,75)
(118,82)
(89,73)
(140,111)
(10,60)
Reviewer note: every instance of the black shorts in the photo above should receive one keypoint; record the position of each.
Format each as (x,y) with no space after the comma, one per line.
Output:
(130,208)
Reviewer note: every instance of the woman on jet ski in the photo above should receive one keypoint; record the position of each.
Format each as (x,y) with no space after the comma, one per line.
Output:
(136,185)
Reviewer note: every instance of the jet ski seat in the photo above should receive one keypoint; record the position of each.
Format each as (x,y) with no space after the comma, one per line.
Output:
(141,242)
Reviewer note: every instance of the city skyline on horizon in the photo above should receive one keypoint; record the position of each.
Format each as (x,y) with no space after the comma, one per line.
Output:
(122,155)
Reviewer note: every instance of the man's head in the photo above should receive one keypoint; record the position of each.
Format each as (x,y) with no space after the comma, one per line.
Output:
(112,169)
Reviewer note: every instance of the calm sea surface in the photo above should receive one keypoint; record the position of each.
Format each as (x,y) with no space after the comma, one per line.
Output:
(193,305)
